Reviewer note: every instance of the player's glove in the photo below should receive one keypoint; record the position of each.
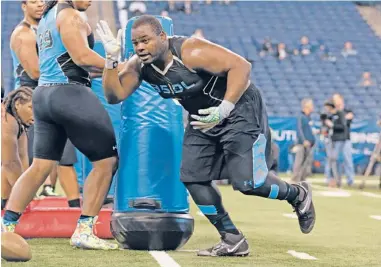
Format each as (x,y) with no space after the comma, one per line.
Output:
(212,117)
(111,44)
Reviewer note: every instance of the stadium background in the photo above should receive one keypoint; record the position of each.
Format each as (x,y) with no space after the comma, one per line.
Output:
(242,27)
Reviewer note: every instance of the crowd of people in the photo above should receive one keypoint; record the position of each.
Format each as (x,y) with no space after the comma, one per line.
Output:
(304,48)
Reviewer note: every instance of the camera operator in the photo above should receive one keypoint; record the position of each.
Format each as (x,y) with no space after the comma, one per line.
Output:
(349,169)
(336,124)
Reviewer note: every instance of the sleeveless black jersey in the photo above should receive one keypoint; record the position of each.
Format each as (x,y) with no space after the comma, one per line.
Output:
(194,89)
(20,75)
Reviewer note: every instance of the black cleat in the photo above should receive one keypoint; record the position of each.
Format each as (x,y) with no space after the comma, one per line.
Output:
(230,246)
(304,207)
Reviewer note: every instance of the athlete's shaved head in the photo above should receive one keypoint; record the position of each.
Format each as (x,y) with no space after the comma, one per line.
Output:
(153,22)
(149,39)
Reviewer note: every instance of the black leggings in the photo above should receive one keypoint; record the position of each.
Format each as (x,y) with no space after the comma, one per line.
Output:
(69,156)
(71,111)
(207,194)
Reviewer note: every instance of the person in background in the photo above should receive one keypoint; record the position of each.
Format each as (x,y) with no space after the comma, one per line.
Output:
(164,13)
(337,125)
(267,47)
(25,57)
(348,50)
(305,48)
(281,53)
(306,140)
(349,169)
(366,80)
(137,8)
(66,108)
(17,117)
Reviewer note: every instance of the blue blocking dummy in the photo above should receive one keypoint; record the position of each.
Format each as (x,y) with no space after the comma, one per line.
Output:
(151,203)
(83,165)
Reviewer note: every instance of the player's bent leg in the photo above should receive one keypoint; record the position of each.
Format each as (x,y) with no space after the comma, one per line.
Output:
(298,195)
(202,163)
(69,183)
(95,190)
(208,199)
(5,191)
(24,190)
(90,130)
(68,176)
(49,141)
(98,184)
(249,174)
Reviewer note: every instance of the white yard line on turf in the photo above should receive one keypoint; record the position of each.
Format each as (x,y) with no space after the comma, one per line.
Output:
(368,194)
(290,215)
(338,193)
(357,181)
(164,259)
(188,250)
(376,217)
(341,192)
(301,255)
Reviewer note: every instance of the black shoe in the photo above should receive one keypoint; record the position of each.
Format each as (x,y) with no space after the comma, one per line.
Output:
(230,245)
(304,207)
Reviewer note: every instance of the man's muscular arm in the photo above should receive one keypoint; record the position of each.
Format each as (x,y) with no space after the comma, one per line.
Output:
(23,43)
(119,87)
(202,54)
(23,151)
(73,30)
(11,164)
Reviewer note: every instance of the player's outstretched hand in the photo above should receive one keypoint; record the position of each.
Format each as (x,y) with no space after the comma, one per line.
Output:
(111,44)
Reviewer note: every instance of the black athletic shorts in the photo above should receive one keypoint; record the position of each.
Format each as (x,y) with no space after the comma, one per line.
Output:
(71,111)
(238,148)
(69,156)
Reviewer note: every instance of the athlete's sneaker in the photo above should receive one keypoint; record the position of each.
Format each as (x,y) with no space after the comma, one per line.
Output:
(304,207)
(48,191)
(84,237)
(230,245)
(7,226)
